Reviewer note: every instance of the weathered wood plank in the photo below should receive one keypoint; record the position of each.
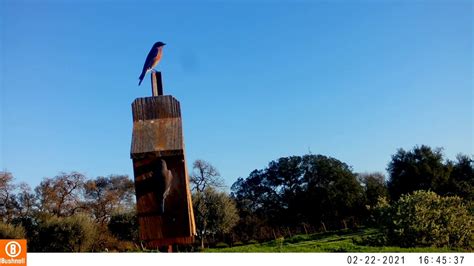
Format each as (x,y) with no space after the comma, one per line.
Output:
(157,135)
(176,219)
(164,205)
(150,108)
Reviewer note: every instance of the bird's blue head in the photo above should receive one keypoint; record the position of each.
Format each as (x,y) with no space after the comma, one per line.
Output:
(158,44)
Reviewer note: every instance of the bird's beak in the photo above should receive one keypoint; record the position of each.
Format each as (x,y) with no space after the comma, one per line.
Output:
(164,44)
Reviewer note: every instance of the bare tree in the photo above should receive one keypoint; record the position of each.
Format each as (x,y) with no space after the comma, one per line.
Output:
(215,211)
(27,201)
(205,176)
(7,198)
(61,195)
(108,195)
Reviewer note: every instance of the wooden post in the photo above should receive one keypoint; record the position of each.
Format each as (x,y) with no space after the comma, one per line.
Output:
(156,83)
(164,207)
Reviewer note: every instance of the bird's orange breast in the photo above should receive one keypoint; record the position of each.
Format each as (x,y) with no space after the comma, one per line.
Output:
(158,57)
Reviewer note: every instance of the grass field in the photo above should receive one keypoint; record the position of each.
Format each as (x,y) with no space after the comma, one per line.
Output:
(338,241)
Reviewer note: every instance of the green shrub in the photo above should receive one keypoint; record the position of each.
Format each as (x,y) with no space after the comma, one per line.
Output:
(222,245)
(238,243)
(124,226)
(8,231)
(71,234)
(298,238)
(374,240)
(427,219)
(106,242)
(252,242)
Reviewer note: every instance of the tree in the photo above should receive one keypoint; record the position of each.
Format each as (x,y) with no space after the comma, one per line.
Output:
(254,194)
(461,181)
(124,226)
(419,169)
(75,233)
(300,189)
(9,231)
(215,213)
(7,198)
(375,187)
(59,215)
(27,201)
(61,195)
(426,219)
(285,177)
(257,204)
(107,195)
(205,175)
(335,194)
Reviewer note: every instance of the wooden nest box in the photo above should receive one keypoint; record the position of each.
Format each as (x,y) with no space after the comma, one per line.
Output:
(164,206)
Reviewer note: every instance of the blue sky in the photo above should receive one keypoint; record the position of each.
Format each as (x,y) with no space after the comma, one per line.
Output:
(355,80)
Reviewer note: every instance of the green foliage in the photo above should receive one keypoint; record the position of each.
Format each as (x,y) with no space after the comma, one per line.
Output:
(374,187)
(461,182)
(297,194)
(298,238)
(105,241)
(124,226)
(427,219)
(424,168)
(335,241)
(9,231)
(30,227)
(215,213)
(376,240)
(70,234)
(238,243)
(279,195)
(419,169)
(222,245)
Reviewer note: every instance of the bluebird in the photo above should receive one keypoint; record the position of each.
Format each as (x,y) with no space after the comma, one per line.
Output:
(152,59)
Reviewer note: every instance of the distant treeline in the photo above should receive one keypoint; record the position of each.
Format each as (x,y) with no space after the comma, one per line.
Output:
(298,194)
(425,201)
(69,213)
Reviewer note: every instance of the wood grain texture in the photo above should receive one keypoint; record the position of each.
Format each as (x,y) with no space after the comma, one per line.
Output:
(176,224)
(157,140)
(157,127)
(150,108)
(163,136)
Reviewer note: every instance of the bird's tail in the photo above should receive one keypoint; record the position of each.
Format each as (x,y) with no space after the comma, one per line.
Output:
(141,77)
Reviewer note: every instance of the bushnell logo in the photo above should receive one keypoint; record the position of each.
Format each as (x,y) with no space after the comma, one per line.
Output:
(13,252)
